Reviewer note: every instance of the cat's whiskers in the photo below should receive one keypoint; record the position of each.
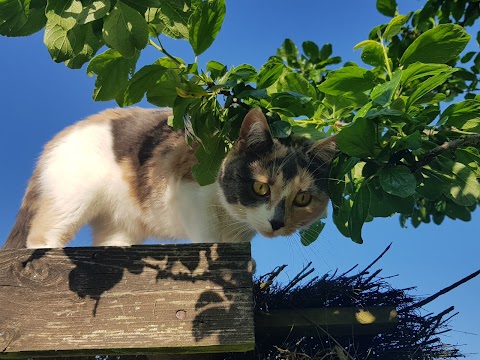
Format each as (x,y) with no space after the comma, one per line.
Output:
(227,224)
(307,251)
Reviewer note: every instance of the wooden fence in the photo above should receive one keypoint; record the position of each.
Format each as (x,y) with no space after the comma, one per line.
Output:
(162,299)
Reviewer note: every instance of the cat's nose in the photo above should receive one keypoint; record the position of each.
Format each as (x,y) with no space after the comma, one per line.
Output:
(276,224)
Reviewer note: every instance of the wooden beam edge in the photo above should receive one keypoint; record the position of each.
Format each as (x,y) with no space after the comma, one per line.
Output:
(221,348)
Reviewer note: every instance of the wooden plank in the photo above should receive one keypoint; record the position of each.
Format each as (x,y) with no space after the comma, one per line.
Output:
(189,298)
(327,321)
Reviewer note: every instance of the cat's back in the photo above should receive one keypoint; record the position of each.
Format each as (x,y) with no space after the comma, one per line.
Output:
(111,170)
(93,146)
(124,129)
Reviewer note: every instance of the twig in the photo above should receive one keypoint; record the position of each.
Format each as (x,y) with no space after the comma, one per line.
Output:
(371,277)
(162,49)
(473,139)
(441,292)
(364,271)
(348,271)
(271,277)
(299,277)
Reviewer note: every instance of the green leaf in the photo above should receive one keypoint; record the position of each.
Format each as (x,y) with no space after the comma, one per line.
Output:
(125,30)
(270,72)
(383,204)
(431,186)
(428,114)
(470,158)
(244,72)
(461,184)
(378,206)
(337,104)
(464,115)
(90,46)
(13,16)
(205,23)
(63,13)
(359,212)
(339,168)
(410,142)
(397,180)
(291,104)
(454,211)
(250,92)
(311,50)
(372,53)
(138,4)
(155,24)
(289,52)
(216,69)
(307,129)
(387,7)
(296,83)
(18,18)
(93,10)
(64,44)
(180,109)
(382,94)
(281,129)
(438,45)
(174,15)
(349,82)
(394,26)
(142,81)
(326,52)
(308,236)
(419,70)
(426,86)
(113,72)
(210,157)
(164,93)
(357,139)
(341,215)
(467,57)
(392,115)
(190,89)
(363,111)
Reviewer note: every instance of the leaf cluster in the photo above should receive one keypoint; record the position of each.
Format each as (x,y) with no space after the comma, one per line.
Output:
(404,149)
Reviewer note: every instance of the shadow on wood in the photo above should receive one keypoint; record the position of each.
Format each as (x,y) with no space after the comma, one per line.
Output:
(144,299)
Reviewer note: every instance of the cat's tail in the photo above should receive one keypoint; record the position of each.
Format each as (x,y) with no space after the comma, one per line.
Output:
(18,236)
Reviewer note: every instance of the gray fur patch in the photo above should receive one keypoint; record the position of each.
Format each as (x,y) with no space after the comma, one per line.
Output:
(17,239)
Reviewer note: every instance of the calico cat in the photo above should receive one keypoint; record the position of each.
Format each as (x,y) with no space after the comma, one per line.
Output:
(127,173)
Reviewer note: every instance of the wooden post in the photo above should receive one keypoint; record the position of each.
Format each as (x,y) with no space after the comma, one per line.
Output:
(189,298)
(346,321)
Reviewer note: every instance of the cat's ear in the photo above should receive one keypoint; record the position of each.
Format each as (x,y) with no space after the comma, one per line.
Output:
(325,149)
(255,133)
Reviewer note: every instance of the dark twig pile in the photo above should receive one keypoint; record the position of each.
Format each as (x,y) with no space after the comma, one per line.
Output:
(417,335)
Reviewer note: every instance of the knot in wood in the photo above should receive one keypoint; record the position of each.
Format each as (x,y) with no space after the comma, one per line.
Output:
(36,271)
(181,314)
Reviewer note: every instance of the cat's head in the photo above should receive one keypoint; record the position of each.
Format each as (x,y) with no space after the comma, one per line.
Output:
(275,187)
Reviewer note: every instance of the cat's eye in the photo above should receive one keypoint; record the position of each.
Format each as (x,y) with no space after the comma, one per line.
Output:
(261,189)
(302,199)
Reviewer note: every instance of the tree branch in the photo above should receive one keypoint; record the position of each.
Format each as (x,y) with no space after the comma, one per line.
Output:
(446,146)
(441,292)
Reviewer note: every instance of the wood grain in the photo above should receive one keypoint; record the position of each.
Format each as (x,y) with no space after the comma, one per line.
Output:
(188,298)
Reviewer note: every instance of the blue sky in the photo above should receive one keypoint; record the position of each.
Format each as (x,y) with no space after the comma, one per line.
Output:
(39,97)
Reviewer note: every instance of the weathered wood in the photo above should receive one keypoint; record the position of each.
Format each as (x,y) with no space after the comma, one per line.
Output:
(327,321)
(140,300)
